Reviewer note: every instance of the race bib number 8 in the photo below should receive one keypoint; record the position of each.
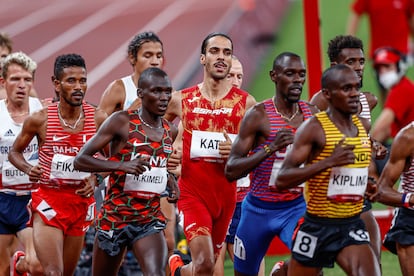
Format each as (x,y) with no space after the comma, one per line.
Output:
(305,244)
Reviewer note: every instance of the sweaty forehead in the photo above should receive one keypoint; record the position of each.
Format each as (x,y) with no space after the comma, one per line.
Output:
(292,62)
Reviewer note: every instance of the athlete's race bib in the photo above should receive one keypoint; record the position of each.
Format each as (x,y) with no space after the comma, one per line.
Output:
(63,171)
(243,182)
(154,181)
(13,178)
(277,164)
(205,144)
(347,184)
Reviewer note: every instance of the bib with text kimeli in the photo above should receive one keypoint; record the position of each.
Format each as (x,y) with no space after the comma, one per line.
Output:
(63,171)
(13,178)
(347,184)
(205,144)
(277,164)
(153,181)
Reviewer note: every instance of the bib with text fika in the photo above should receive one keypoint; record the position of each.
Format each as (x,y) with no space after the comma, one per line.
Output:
(205,144)
(63,171)
(347,184)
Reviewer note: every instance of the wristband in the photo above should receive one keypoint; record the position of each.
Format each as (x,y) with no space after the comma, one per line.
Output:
(267,150)
(407,200)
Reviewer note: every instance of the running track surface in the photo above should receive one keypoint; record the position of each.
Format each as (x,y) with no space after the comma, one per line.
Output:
(101,30)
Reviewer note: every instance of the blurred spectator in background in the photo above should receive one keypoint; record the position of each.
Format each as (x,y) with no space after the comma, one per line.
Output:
(391,22)
(6,47)
(398,107)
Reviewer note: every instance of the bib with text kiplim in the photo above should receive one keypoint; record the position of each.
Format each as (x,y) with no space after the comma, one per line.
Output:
(347,184)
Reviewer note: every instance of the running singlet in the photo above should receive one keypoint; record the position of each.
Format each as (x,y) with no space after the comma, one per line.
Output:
(130,91)
(407,177)
(338,192)
(365,110)
(204,123)
(265,174)
(12,178)
(131,198)
(59,150)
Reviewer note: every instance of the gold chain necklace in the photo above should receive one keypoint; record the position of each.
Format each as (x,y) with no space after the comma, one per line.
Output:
(148,125)
(283,116)
(65,123)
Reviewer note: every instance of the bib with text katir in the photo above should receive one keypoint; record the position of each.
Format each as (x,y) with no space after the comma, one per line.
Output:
(206,143)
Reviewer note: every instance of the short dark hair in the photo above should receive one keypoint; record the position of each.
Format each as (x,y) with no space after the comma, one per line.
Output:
(334,70)
(65,61)
(205,41)
(278,59)
(340,42)
(141,38)
(150,72)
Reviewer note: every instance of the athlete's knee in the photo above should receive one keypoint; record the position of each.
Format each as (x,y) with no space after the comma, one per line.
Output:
(53,270)
(203,266)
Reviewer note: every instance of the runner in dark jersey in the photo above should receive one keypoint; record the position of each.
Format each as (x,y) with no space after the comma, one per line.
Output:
(141,142)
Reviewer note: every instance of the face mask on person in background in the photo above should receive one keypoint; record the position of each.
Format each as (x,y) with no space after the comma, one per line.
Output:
(389,79)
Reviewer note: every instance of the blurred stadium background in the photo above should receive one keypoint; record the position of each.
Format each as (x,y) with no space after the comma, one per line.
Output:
(101,30)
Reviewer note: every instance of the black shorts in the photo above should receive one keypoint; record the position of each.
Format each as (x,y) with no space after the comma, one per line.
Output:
(401,231)
(318,241)
(367,205)
(114,241)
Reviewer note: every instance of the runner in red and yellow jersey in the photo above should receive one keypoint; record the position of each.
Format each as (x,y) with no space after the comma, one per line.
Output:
(211,113)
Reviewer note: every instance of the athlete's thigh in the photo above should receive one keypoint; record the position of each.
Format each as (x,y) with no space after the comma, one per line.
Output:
(405,257)
(103,263)
(358,259)
(6,244)
(71,252)
(289,223)
(48,242)
(168,209)
(253,237)
(151,253)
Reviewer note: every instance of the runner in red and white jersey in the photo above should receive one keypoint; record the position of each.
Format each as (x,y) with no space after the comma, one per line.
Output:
(62,207)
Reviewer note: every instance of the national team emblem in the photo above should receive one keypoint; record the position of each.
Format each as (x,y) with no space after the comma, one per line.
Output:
(168,148)
(365,142)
